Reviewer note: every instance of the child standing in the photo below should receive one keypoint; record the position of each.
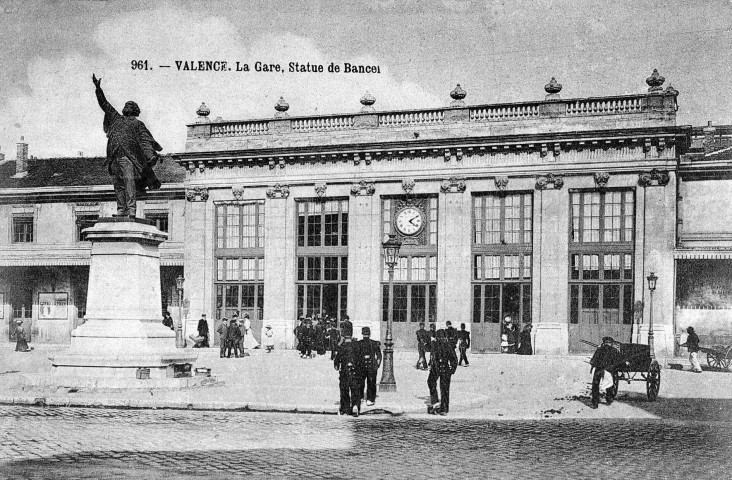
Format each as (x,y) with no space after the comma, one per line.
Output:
(268,338)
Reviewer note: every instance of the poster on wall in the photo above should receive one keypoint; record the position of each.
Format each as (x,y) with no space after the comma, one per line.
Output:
(52,305)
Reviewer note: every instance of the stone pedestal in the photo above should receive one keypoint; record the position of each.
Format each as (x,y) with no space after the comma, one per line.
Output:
(123,330)
(550,338)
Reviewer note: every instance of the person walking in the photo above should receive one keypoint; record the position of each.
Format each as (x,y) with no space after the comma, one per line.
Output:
(432,333)
(463,344)
(21,344)
(346,323)
(692,344)
(268,338)
(423,346)
(319,335)
(443,363)
(525,341)
(345,363)
(369,361)
(298,336)
(308,338)
(223,331)
(605,361)
(451,334)
(201,341)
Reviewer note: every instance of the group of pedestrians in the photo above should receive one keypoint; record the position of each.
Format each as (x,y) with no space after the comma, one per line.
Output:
(315,336)
(357,363)
(513,341)
(236,335)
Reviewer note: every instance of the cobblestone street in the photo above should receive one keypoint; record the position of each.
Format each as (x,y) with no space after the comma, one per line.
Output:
(106,443)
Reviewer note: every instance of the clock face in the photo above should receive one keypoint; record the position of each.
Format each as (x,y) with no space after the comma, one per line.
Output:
(409,221)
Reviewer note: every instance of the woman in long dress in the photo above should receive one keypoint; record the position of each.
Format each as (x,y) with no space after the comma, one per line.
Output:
(249,341)
(21,344)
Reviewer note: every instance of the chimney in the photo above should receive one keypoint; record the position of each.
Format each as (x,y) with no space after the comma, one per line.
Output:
(708,142)
(81,154)
(21,158)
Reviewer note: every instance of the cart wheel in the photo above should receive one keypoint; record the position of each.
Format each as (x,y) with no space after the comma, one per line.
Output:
(653,381)
(713,360)
(725,363)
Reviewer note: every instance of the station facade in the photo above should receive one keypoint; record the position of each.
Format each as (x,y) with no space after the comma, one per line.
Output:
(551,212)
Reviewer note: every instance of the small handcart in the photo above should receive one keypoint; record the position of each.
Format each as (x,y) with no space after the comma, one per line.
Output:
(639,366)
(718,356)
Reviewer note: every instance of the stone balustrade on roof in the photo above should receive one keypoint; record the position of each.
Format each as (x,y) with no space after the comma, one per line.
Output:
(368,125)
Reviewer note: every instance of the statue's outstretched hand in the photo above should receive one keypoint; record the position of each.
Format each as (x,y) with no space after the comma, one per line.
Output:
(97,81)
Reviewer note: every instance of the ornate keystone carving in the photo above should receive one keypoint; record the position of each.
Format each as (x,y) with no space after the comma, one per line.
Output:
(458,94)
(654,82)
(653,178)
(408,186)
(238,192)
(281,106)
(320,189)
(363,188)
(543,181)
(601,179)
(278,191)
(453,185)
(501,183)
(368,101)
(197,194)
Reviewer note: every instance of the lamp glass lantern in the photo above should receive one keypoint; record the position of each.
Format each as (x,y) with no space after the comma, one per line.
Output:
(652,278)
(391,250)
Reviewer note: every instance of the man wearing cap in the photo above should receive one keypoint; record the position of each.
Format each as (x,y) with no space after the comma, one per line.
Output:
(464,344)
(605,361)
(346,321)
(223,336)
(201,341)
(333,336)
(451,334)
(423,346)
(369,361)
(345,363)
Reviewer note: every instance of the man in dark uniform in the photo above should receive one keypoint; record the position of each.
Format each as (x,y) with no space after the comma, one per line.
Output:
(423,345)
(298,335)
(345,363)
(432,333)
(234,338)
(307,338)
(443,363)
(131,152)
(346,321)
(334,336)
(451,334)
(606,358)
(223,336)
(368,363)
(463,337)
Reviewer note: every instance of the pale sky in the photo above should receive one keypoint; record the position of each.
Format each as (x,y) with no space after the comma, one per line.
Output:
(499,51)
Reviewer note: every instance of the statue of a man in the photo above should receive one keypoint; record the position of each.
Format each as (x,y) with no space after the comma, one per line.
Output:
(131,153)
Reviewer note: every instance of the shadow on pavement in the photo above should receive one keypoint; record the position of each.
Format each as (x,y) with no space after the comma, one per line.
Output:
(696,409)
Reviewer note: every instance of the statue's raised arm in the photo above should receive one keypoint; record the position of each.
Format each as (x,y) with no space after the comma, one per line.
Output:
(131,152)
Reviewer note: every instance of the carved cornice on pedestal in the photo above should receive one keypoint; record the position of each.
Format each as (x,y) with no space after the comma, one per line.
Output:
(363,188)
(197,194)
(601,179)
(408,186)
(543,182)
(654,178)
(278,191)
(453,185)
(501,183)
(320,189)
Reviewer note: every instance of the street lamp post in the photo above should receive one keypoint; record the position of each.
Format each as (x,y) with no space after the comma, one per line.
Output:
(391,257)
(651,287)
(179,340)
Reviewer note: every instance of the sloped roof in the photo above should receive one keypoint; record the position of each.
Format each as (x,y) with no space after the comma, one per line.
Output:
(76,171)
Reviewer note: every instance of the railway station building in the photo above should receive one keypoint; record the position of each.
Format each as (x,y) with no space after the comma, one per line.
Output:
(553,212)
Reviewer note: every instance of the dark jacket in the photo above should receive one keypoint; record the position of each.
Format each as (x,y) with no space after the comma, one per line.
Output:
(692,342)
(525,343)
(223,332)
(129,137)
(443,359)
(423,339)
(369,356)
(203,328)
(452,336)
(234,333)
(345,358)
(607,357)
(463,338)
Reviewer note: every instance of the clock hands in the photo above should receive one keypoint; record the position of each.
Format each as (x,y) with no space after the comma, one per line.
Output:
(411,220)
